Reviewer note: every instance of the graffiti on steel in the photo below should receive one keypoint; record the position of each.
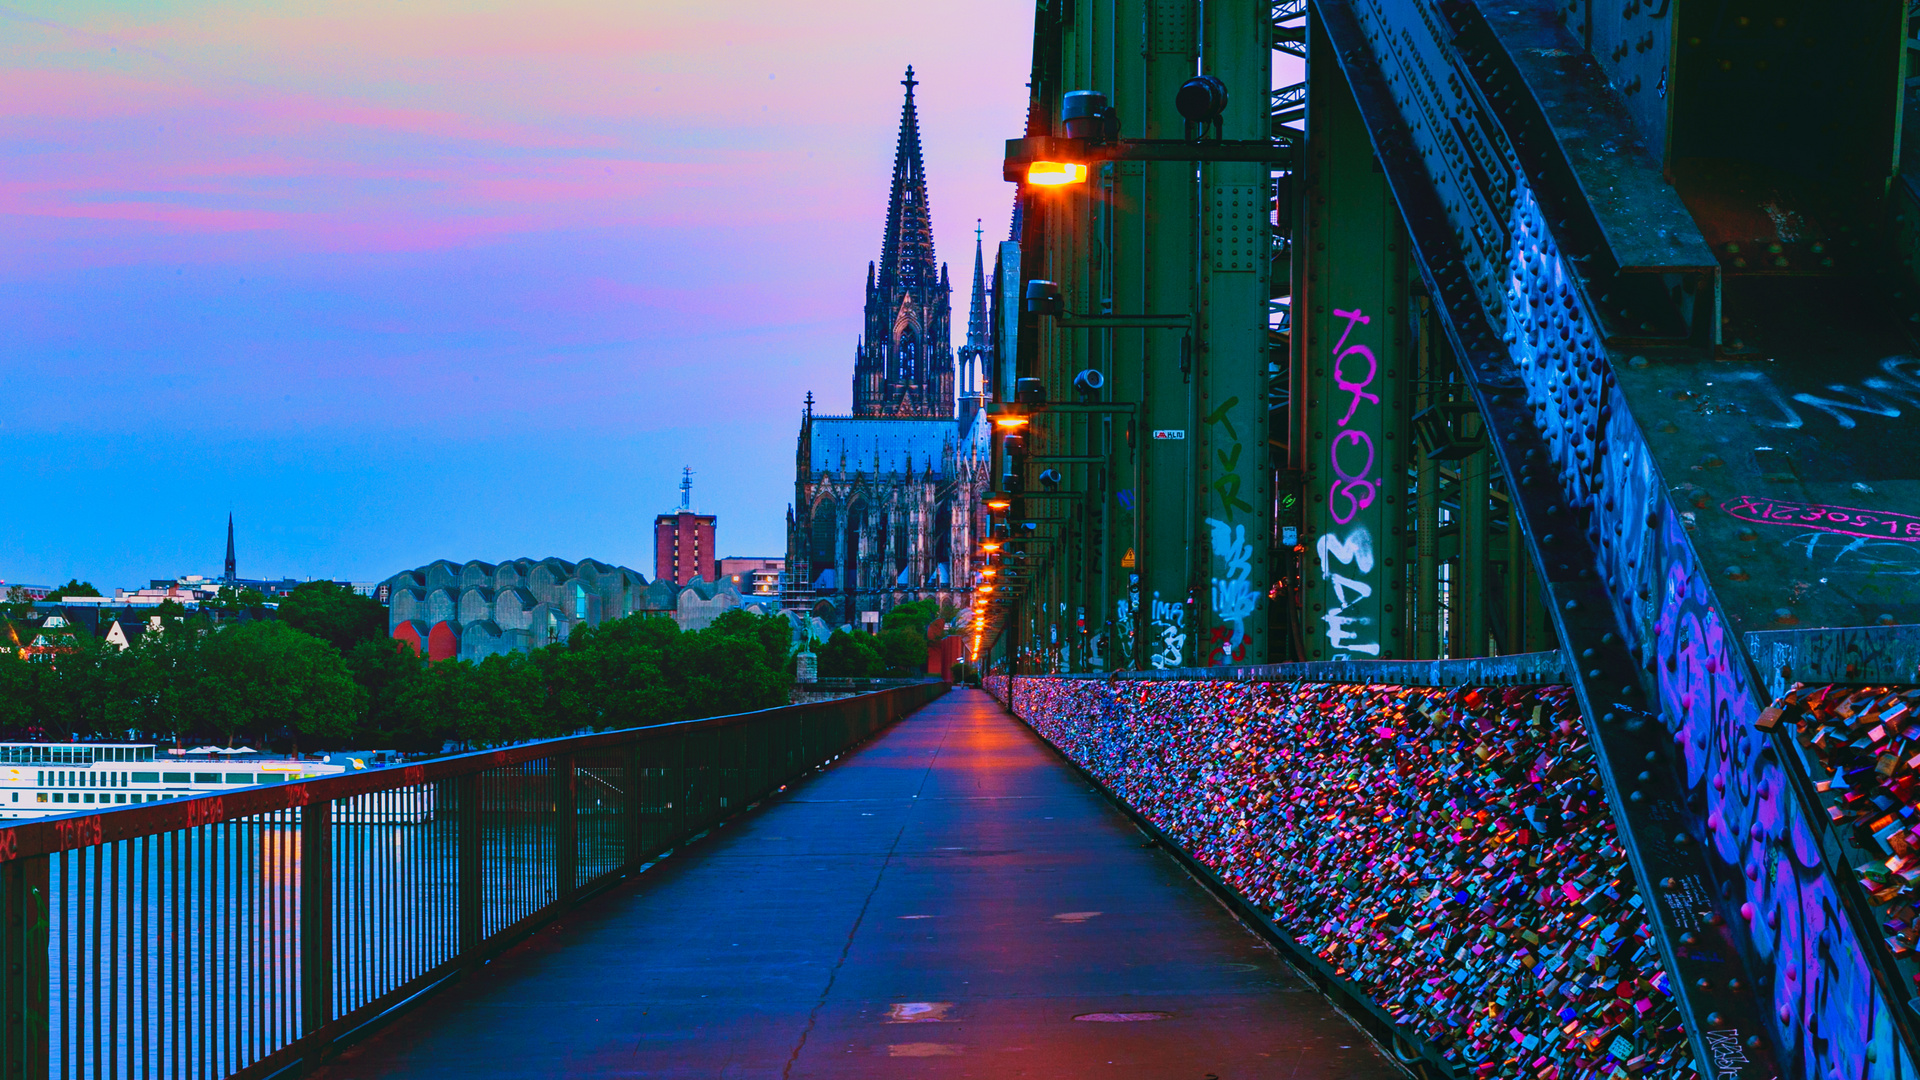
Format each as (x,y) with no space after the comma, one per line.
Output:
(1845,520)
(1830,1018)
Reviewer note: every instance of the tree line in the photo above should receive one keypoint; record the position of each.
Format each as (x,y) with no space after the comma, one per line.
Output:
(898,650)
(324,673)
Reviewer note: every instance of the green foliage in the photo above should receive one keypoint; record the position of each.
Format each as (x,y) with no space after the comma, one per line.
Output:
(259,676)
(849,656)
(73,587)
(18,604)
(898,651)
(333,613)
(904,652)
(232,601)
(192,680)
(385,670)
(911,616)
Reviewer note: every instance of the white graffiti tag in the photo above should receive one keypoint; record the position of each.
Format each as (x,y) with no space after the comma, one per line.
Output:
(1171,618)
(1354,550)
(1232,596)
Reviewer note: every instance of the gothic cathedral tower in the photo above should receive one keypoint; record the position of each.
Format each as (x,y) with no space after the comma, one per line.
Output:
(904,365)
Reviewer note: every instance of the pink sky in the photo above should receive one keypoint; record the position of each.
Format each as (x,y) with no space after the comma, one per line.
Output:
(590,240)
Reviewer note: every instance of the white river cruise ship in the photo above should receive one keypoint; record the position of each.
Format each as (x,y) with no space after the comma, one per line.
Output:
(43,779)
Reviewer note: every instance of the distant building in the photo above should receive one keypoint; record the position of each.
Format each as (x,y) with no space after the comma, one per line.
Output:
(683,541)
(756,575)
(476,609)
(695,606)
(31,592)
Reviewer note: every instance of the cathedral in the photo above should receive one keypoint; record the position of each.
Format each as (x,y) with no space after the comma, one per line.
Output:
(888,501)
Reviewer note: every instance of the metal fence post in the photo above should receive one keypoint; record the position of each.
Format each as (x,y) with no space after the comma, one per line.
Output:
(316,927)
(468,855)
(566,830)
(632,820)
(23,983)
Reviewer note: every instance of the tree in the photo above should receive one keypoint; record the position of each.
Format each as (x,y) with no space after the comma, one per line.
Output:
(232,601)
(850,656)
(334,613)
(903,651)
(615,675)
(73,587)
(19,605)
(20,692)
(913,616)
(264,675)
(737,664)
(384,670)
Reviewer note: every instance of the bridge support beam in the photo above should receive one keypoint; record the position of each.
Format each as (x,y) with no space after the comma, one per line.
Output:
(1352,375)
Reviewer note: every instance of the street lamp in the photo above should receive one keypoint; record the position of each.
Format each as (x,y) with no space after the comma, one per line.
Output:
(1056,173)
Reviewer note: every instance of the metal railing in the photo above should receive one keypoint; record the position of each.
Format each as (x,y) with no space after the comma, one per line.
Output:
(237,935)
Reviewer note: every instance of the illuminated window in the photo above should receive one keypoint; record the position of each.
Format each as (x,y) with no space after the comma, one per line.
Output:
(579,601)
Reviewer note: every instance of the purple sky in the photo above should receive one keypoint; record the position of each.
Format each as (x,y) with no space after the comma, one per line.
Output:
(402,281)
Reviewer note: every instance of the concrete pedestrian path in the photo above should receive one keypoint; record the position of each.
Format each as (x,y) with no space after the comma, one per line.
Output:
(948,901)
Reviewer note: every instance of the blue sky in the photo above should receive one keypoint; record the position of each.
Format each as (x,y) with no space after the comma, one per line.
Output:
(447,280)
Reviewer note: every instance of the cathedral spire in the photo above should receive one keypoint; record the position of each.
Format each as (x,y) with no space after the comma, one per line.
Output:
(232,567)
(973,355)
(906,254)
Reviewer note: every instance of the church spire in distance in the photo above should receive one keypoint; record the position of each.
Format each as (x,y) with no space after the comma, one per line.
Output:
(232,568)
(906,253)
(973,355)
(905,364)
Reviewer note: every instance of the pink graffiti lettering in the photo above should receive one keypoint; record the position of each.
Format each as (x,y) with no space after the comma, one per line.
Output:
(1845,520)
(1357,389)
(1351,480)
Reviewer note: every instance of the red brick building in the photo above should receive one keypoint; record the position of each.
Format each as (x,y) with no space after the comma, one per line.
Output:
(683,547)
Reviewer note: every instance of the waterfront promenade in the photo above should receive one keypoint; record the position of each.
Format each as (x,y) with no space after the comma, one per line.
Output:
(948,901)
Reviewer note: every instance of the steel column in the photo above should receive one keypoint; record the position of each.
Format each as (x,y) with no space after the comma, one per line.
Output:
(1351,331)
(1233,505)
(1475,587)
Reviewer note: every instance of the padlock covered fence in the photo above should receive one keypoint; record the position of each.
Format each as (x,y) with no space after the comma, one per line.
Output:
(1448,859)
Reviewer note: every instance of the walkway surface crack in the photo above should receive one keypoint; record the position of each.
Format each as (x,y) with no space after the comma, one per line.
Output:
(813,1014)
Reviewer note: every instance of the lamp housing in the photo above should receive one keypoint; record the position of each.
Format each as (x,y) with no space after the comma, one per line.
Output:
(1085,114)
(1043,298)
(1201,99)
(1089,383)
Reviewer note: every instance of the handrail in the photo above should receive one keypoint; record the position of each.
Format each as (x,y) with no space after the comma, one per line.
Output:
(106,825)
(242,934)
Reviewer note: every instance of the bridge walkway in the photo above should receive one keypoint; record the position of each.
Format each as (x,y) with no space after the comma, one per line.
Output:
(948,901)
